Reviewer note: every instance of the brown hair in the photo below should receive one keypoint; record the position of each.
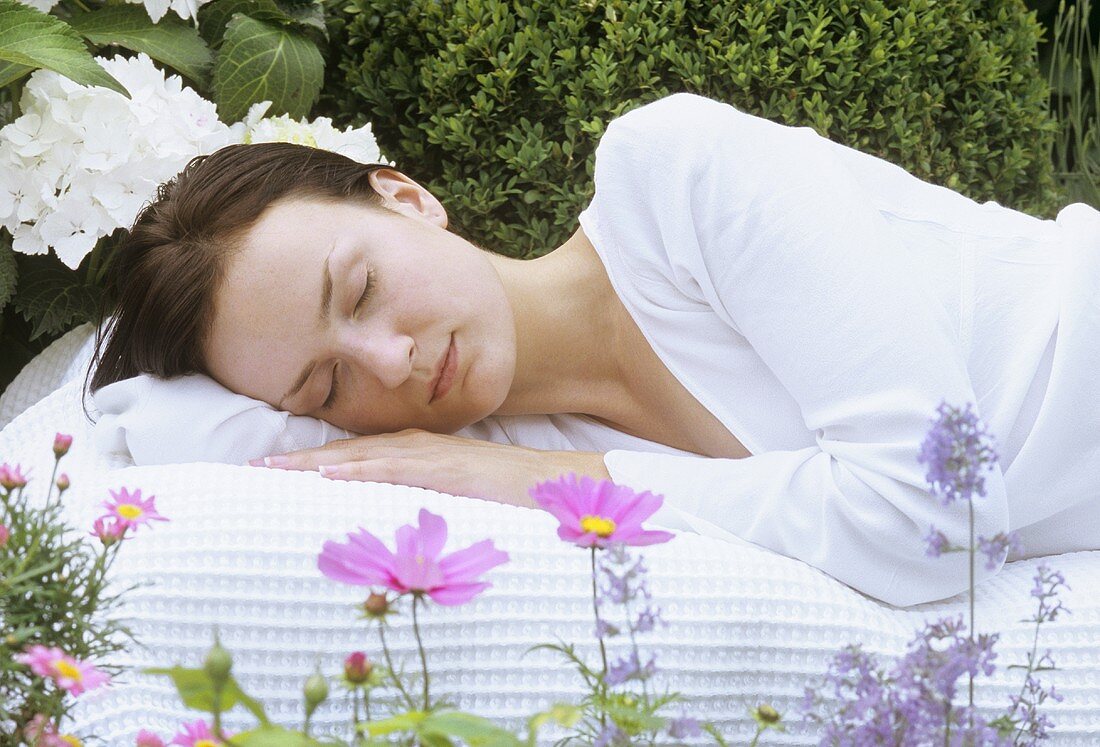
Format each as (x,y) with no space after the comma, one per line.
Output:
(163,276)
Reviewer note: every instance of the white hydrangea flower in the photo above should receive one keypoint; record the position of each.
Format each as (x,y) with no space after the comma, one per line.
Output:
(80,161)
(358,144)
(43,5)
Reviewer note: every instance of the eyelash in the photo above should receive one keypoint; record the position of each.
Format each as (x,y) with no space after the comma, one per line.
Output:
(331,399)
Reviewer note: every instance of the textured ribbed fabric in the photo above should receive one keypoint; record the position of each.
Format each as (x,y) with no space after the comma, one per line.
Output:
(745,625)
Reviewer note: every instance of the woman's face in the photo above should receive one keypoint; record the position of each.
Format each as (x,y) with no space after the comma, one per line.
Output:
(295,318)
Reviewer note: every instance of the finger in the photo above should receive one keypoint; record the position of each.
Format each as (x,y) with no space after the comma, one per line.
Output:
(342,450)
(387,469)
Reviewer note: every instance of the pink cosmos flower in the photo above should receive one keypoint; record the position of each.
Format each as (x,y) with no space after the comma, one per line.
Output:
(417,565)
(146,738)
(11,477)
(41,732)
(131,510)
(197,734)
(5,535)
(66,672)
(108,532)
(599,514)
(61,444)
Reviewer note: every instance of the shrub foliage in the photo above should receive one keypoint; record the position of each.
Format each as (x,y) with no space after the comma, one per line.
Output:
(496,107)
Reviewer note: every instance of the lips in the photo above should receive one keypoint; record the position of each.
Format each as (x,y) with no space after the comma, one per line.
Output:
(442,370)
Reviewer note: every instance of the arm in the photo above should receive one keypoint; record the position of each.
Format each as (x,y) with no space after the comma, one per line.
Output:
(792,255)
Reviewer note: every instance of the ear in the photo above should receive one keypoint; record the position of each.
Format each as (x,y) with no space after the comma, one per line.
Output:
(403,195)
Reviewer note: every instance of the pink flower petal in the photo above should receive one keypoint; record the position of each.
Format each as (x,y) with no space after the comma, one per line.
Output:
(472,561)
(455,594)
(433,533)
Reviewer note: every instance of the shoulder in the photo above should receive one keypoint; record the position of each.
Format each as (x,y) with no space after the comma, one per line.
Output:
(670,115)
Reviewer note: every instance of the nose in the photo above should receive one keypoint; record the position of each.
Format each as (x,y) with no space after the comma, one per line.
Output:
(375,353)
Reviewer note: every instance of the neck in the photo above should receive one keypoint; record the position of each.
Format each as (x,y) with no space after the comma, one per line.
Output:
(566,339)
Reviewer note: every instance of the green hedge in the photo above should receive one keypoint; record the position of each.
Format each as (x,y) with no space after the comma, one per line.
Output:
(496,107)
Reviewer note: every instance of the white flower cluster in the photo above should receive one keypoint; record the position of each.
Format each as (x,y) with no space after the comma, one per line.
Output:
(81,161)
(155,8)
(358,144)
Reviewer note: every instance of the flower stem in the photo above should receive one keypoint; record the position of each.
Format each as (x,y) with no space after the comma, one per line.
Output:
(389,663)
(601,686)
(419,645)
(53,484)
(756,736)
(1030,665)
(970,503)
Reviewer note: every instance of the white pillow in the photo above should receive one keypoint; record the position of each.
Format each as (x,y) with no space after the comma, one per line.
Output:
(195,419)
(746,625)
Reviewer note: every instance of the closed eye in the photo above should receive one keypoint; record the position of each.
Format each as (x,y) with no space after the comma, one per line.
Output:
(369,286)
(366,290)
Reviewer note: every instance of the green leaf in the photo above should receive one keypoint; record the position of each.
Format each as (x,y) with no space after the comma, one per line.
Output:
(474,730)
(401,722)
(12,71)
(215,16)
(274,736)
(171,41)
(197,691)
(566,715)
(35,39)
(54,298)
(260,62)
(9,273)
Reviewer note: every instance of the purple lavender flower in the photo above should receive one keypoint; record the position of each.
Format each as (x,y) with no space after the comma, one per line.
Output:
(647,619)
(956,449)
(997,548)
(612,736)
(604,629)
(937,543)
(630,668)
(678,728)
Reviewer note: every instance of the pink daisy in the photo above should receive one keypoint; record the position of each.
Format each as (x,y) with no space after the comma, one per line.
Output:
(66,672)
(11,477)
(197,734)
(146,738)
(109,530)
(599,514)
(131,510)
(416,566)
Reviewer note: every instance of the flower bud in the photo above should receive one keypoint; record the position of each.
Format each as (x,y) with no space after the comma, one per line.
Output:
(376,605)
(5,534)
(63,482)
(765,714)
(218,663)
(316,690)
(61,444)
(11,477)
(357,668)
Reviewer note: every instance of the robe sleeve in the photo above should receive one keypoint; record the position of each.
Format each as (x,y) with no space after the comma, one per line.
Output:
(785,247)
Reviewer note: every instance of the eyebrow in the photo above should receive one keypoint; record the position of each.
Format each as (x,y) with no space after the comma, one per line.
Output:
(323,314)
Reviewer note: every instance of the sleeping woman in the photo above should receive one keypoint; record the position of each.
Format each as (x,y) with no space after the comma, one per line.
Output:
(749,319)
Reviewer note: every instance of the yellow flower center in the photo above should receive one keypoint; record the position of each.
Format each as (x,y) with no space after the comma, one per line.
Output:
(207,743)
(67,670)
(420,560)
(598,524)
(129,510)
(74,741)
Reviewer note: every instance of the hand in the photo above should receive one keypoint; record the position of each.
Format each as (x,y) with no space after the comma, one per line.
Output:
(444,463)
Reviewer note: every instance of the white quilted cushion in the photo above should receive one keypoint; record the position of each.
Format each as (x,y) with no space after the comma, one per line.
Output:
(746,625)
(63,360)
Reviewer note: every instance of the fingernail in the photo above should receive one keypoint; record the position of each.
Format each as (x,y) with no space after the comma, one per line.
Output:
(257,462)
(276,461)
(328,470)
